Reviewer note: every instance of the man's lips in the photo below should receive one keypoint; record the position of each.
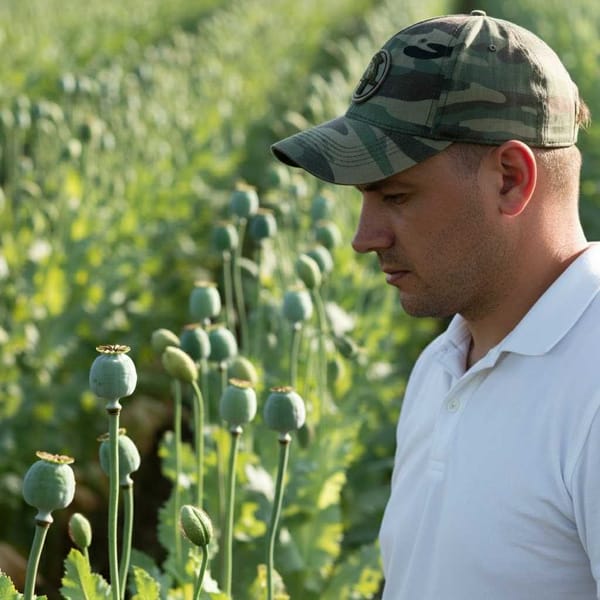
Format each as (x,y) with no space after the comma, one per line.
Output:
(394,276)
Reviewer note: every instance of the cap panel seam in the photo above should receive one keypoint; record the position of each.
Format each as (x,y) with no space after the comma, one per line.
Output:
(443,96)
(542,120)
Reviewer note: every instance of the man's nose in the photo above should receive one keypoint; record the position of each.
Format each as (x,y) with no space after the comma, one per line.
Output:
(373,232)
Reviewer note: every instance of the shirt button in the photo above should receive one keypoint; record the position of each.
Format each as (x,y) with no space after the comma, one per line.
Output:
(453,405)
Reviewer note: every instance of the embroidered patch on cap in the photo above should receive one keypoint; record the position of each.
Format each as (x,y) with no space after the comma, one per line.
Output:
(373,76)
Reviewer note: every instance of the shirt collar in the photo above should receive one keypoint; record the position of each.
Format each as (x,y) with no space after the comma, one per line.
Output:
(546,323)
(558,309)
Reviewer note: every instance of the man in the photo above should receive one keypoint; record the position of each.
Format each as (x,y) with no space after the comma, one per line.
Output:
(461,138)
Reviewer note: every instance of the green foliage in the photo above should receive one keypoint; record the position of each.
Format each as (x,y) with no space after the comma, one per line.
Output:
(146,588)
(79,583)
(8,591)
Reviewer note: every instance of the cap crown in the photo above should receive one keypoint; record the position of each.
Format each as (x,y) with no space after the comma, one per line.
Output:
(469,78)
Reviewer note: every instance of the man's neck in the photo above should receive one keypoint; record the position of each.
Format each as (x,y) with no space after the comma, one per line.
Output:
(490,329)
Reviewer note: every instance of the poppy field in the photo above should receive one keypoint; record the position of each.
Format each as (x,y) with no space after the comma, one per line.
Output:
(143,220)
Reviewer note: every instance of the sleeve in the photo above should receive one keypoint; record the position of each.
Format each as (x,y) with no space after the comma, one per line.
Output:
(585,489)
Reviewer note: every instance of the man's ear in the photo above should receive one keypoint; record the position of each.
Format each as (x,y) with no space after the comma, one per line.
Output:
(515,164)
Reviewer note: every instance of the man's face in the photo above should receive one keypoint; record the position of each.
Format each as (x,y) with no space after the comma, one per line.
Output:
(438,238)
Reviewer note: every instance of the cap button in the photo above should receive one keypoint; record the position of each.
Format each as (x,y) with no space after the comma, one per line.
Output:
(478,13)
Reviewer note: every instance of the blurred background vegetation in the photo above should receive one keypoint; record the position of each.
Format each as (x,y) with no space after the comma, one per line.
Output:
(124,128)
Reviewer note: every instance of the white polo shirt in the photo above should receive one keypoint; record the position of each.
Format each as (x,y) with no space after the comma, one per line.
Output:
(496,485)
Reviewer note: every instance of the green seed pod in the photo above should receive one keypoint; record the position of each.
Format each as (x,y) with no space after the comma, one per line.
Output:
(196,525)
(277,176)
(223,344)
(328,234)
(90,130)
(129,457)
(225,237)
(179,364)
(321,208)
(68,83)
(205,301)
(195,341)
(49,484)
(284,410)
(323,258)
(238,403)
(297,305)
(309,272)
(113,374)
(244,201)
(72,150)
(239,367)
(263,225)
(162,338)
(80,531)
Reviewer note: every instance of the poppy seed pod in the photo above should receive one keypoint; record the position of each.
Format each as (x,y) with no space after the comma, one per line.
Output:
(179,364)
(328,234)
(263,225)
(321,208)
(195,342)
(225,237)
(49,484)
(113,374)
(196,525)
(284,410)
(297,305)
(161,338)
(244,201)
(223,344)
(277,176)
(238,403)
(308,271)
(205,301)
(322,257)
(129,457)
(80,531)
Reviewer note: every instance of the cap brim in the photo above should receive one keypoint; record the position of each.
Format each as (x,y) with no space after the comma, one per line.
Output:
(352,152)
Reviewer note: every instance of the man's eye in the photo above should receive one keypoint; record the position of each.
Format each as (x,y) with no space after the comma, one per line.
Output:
(395,198)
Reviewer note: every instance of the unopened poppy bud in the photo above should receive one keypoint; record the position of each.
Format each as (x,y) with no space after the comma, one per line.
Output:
(238,403)
(195,341)
(205,301)
(80,531)
(263,225)
(297,305)
(196,525)
(161,338)
(223,344)
(225,237)
(328,234)
(346,346)
(49,484)
(308,271)
(244,201)
(239,367)
(113,374)
(179,364)
(323,258)
(284,410)
(129,457)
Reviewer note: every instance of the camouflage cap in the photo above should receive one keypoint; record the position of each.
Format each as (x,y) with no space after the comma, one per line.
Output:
(459,78)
